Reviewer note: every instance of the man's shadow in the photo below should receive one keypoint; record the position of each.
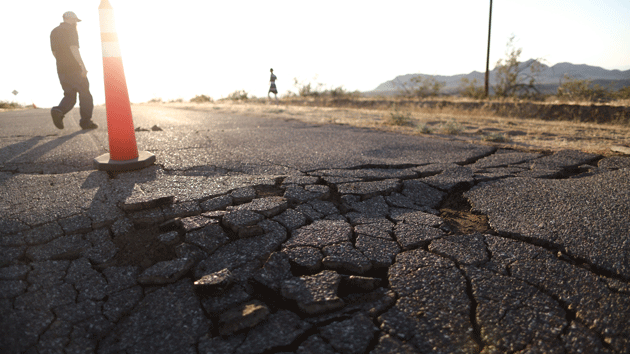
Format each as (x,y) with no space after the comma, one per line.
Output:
(24,153)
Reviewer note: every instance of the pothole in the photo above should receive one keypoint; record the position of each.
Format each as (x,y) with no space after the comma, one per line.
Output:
(458,216)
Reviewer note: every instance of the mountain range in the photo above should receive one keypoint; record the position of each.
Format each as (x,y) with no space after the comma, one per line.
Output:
(547,80)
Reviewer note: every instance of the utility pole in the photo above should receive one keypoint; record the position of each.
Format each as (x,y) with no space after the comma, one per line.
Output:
(488,55)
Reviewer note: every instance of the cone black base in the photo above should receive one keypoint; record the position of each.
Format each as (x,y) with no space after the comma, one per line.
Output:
(105,163)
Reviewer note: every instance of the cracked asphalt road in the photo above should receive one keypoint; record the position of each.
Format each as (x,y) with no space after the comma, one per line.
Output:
(265,236)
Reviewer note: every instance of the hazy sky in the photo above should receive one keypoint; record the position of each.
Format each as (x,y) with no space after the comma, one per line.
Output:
(179,49)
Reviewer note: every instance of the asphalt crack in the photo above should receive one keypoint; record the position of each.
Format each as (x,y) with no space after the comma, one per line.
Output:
(477,337)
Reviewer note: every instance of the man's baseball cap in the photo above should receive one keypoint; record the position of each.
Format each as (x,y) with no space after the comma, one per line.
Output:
(71,14)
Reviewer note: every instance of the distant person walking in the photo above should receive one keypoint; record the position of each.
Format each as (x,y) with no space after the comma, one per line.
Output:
(64,43)
(272,86)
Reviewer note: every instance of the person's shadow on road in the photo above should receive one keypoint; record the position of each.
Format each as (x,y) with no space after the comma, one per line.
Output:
(28,151)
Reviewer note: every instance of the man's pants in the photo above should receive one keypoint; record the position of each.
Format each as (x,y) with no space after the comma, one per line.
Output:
(73,83)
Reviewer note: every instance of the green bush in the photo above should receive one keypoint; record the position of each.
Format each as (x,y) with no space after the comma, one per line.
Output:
(201,99)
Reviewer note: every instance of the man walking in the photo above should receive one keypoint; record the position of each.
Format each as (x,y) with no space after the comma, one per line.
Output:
(64,43)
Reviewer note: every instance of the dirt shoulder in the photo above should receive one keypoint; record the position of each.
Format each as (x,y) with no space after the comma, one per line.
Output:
(476,126)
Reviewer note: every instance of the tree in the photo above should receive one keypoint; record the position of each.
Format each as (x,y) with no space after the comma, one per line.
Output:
(516,78)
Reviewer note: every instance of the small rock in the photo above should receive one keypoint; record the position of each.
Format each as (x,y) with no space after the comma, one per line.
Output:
(244,316)
(214,284)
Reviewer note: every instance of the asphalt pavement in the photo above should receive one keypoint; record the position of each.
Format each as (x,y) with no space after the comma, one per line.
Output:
(256,235)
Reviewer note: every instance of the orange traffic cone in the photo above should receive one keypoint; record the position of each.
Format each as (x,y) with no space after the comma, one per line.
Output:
(123,152)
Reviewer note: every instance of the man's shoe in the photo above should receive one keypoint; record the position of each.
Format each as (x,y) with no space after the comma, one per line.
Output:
(57,116)
(88,125)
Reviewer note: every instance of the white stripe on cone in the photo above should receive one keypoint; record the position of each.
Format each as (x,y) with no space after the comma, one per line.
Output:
(110,49)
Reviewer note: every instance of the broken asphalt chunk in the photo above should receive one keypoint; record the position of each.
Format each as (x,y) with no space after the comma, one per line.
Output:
(314,294)
(214,284)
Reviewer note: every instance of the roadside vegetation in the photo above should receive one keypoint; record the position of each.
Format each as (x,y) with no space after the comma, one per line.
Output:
(10,105)
(579,115)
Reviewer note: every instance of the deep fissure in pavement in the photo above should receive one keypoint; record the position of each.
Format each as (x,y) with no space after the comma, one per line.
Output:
(458,215)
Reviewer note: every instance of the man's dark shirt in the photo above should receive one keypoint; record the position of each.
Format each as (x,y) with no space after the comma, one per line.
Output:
(61,38)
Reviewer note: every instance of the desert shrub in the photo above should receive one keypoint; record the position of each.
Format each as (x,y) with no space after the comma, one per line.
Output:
(238,95)
(424,128)
(7,104)
(623,93)
(400,118)
(420,86)
(572,89)
(425,87)
(340,92)
(451,128)
(155,100)
(318,89)
(201,99)
(308,89)
(176,100)
(496,138)
(516,78)
(468,88)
